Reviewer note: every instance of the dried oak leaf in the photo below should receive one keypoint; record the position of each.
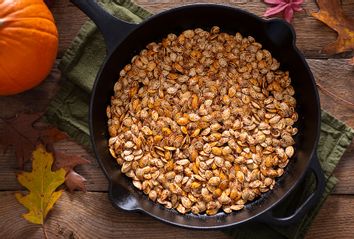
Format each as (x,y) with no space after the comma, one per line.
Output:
(73,180)
(22,133)
(332,14)
(41,184)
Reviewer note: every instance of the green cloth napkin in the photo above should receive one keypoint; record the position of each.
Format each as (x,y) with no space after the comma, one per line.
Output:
(69,111)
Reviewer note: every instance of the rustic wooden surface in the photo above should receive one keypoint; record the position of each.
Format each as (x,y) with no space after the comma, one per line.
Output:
(90,215)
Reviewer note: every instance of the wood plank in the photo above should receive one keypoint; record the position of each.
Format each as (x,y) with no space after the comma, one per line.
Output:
(37,99)
(312,35)
(335,219)
(34,100)
(338,77)
(69,20)
(89,215)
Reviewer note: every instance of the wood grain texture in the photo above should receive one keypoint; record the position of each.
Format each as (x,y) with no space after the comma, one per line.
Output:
(35,100)
(338,77)
(69,20)
(335,219)
(89,216)
(312,35)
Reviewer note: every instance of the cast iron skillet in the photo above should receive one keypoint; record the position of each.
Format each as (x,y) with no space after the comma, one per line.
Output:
(124,40)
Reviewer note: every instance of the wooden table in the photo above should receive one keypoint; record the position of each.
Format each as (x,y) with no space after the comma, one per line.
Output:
(90,214)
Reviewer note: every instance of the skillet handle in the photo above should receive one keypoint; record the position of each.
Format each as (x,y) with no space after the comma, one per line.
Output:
(281,33)
(312,199)
(113,29)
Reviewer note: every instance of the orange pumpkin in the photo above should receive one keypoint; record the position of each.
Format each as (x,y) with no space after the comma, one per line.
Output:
(28,44)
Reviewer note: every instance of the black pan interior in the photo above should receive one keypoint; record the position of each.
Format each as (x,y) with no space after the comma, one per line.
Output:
(274,35)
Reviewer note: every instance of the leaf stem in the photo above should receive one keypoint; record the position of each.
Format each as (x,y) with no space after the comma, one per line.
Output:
(336,97)
(44,232)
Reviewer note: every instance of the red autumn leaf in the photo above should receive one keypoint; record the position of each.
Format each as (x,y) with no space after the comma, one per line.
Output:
(22,133)
(72,180)
(332,14)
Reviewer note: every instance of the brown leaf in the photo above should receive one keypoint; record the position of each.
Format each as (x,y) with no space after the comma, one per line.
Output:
(52,135)
(331,13)
(19,133)
(22,133)
(73,180)
(351,61)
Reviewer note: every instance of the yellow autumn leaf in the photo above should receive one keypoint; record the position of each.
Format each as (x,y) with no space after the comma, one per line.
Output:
(41,184)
